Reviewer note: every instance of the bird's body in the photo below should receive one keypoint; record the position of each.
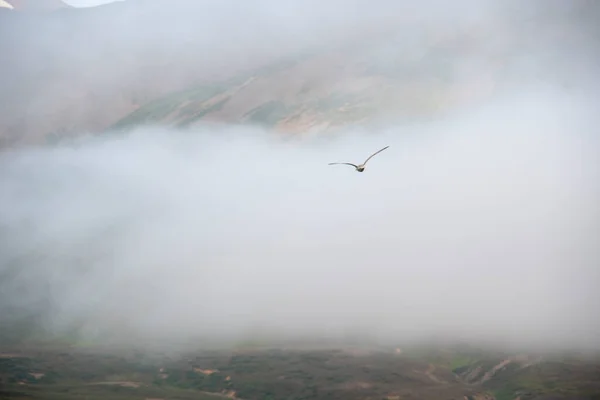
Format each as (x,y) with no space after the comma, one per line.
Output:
(360,167)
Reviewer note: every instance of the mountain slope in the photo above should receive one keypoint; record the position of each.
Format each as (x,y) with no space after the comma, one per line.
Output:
(294,373)
(530,377)
(291,68)
(328,89)
(66,73)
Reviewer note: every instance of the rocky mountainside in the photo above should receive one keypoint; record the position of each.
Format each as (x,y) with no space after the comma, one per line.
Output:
(67,72)
(88,70)
(329,88)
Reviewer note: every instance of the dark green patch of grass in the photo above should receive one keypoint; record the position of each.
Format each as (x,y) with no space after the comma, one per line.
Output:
(199,114)
(267,114)
(160,109)
(461,361)
(547,378)
(505,393)
(102,392)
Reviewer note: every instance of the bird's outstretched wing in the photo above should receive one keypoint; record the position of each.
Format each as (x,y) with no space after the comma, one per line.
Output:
(377,152)
(343,163)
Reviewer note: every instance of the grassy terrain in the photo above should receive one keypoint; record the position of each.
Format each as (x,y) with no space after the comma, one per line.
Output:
(92,373)
(185,107)
(101,392)
(324,89)
(561,379)
(162,108)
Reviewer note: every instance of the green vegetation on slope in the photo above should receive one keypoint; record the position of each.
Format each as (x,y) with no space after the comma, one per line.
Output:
(103,392)
(559,379)
(70,373)
(201,112)
(267,114)
(188,106)
(160,109)
(260,375)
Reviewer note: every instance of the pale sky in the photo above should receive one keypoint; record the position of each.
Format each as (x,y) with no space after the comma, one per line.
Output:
(88,3)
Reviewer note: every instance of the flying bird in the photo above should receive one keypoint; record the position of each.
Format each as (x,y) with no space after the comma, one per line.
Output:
(360,167)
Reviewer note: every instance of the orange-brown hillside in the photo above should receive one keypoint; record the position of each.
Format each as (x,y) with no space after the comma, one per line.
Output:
(68,73)
(131,63)
(323,91)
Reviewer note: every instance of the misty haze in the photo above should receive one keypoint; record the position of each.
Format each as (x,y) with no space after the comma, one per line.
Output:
(166,194)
